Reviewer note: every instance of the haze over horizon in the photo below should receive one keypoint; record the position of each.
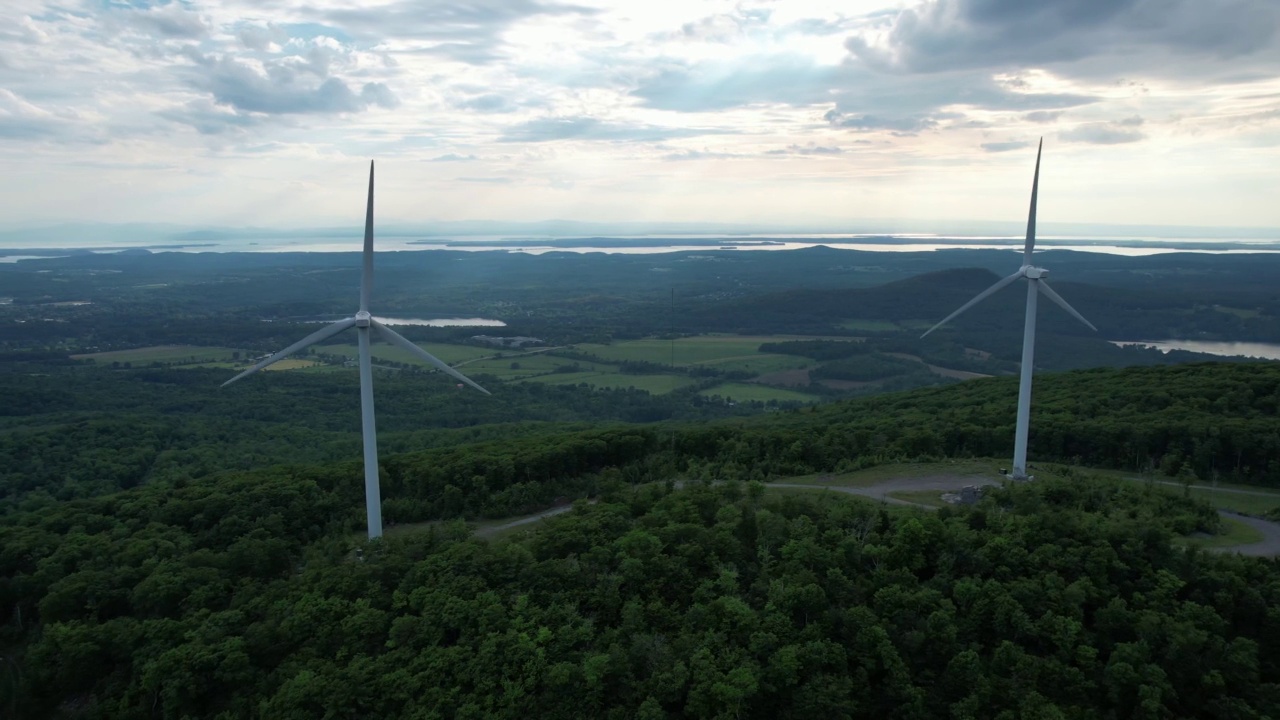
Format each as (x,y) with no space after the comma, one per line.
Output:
(804,114)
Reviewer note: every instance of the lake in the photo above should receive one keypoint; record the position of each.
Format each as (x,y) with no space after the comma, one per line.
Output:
(442,322)
(1226,349)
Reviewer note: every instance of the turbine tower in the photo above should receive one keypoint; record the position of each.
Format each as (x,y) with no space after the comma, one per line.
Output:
(1036,283)
(363,322)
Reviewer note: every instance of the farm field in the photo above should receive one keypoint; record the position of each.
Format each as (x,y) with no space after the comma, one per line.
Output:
(743,392)
(655,384)
(171,354)
(699,350)
(382,351)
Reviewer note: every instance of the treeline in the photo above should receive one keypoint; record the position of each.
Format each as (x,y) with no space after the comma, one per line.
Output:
(240,598)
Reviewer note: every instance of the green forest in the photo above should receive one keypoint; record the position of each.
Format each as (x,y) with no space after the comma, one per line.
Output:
(173,549)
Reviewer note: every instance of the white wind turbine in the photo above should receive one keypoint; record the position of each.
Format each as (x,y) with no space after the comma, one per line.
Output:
(362,322)
(1036,282)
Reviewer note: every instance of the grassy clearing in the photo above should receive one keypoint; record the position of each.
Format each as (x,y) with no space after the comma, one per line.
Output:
(1233,533)
(173,354)
(382,351)
(745,392)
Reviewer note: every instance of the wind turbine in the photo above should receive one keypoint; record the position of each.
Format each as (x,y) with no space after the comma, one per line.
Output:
(362,321)
(1036,283)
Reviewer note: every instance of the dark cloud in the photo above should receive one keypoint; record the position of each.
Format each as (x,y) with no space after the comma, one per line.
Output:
(1106,133)
(589,128)
(998,147)
(944,35)
(464,30)
(1043,116)
(283,89)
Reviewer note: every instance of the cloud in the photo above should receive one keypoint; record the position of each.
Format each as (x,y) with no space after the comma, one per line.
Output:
(867,123)
(469,32)
(998,147)
(589,128)
(171,21)
(490,180)
(1043,116)
(699,155)
(942,35)
(487,103)
(771,79)
(806,150)
(283,87)
(1106,133)
(453,157)
(21,119)
(210,119)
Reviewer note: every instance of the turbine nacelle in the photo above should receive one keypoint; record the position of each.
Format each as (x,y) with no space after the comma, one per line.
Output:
(1034,273)
(363,319)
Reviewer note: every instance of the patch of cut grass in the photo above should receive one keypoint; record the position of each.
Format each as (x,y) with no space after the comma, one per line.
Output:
(654,384)
(449,353)
(172,354)
(745,392)
(1233,533)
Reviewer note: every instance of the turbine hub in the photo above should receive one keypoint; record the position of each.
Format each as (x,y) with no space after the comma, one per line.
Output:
(1034,273)
(363,318)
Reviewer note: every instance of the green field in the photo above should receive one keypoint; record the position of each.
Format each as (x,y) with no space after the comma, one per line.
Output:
(173,354)
(655,384)
(870,325)
(702,349)
(528,366)
(745,392)
(381,351)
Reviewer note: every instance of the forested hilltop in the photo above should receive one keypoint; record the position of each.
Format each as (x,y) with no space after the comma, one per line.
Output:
(238,595)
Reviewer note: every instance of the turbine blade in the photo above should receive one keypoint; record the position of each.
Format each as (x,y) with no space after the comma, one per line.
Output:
(1049,293)
(981,296)
(1031,216)
(311,339)
(366,278)
(396,339)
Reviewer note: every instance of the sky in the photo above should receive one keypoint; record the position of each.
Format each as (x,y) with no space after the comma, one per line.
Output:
(799,113)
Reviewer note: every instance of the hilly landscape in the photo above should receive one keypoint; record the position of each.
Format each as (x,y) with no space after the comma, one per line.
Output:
(732,509)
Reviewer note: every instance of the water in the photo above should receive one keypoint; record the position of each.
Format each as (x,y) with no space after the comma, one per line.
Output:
(442,322)
(1268,351)
(428,322)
